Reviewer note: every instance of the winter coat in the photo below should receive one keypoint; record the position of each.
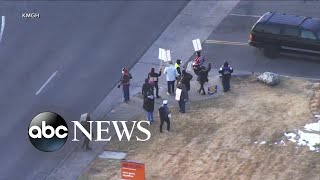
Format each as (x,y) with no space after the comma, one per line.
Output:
(148,104)
(226,71)
(154,75)
(146,87)
(164,112)
(184,93)
(203,74)
(125,79)
(171,73)
(186,78)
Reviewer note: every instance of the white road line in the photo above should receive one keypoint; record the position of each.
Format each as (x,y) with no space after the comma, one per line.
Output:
(44,85)
(226,42)
(244,15)
(3,23)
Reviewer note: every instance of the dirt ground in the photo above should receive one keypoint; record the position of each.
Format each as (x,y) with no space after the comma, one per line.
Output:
(216,138)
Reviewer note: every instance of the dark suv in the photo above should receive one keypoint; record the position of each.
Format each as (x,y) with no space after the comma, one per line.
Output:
(275,32)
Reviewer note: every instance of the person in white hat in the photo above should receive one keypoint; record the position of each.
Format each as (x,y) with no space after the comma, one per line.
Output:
(165,115)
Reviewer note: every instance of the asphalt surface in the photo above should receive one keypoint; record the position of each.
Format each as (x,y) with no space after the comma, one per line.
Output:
(86,44)
(234,32)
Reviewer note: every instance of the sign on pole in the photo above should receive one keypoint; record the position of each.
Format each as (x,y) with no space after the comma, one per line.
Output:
(197,45)
(132,170)
(164,55)
(168,55)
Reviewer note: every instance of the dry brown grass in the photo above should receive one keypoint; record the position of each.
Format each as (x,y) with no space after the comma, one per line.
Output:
(215,138)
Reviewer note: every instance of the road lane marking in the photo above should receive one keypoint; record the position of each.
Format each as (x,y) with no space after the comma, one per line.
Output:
(244,15)
(44,85)
(3,23)
(227,42)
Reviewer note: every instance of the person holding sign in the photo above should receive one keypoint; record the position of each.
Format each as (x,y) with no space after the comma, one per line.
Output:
(153,80)
(186,78)
(171,74)
(182,96)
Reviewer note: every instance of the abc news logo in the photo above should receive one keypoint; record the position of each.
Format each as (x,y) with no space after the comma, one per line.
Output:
(48,131)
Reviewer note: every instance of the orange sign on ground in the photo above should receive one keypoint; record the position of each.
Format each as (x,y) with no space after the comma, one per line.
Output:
(132,170)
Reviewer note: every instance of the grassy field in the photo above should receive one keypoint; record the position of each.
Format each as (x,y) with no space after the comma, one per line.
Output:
(217,138)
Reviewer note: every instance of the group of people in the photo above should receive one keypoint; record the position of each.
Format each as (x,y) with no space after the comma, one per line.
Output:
(174,77)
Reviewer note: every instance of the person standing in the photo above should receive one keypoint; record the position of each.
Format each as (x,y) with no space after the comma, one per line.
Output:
(203,78)
(146,88)
(177,66)
(171,75)
(125,83)
(183,97)
(186,78)
(226,72)
(165,115)
(86,124)
(148,106)
(154,78)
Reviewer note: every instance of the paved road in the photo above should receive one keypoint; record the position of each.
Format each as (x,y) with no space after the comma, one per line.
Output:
(234,31)
(86,44)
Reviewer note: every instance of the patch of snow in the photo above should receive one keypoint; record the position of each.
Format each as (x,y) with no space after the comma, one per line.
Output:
(313,126)
(317,116)
(112,155)
(309,139)
(263,142)
(291,136)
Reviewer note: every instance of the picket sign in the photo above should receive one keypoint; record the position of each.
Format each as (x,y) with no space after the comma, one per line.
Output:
(164,55)
(189,66)
(178,94)
(197,45)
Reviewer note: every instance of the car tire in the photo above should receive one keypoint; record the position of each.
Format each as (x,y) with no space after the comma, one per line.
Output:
(271,52)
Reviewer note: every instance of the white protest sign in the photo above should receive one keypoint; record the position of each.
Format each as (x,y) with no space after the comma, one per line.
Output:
(197,45)
(178,94)
(189,66)
(162,54)
(168,55)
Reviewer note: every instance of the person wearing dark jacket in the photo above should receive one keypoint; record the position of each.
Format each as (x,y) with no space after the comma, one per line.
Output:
(203,78)
(164,114)
(125,83)
(153,79)
(183,97)
(186,78)
(226,72)
(148,106)
(146,87)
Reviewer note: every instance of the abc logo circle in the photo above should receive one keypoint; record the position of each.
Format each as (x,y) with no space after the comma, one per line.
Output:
(48,131)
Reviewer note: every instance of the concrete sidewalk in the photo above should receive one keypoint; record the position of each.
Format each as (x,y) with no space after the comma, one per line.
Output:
(188,25)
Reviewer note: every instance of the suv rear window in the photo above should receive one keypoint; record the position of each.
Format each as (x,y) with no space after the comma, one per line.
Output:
(267,28)
(290,31)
